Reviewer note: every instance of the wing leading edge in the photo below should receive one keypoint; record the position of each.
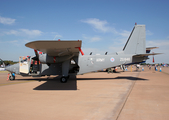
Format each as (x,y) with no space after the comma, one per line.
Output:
(56,48)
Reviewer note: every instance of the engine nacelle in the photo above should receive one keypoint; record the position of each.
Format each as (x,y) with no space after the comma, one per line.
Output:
(44,58)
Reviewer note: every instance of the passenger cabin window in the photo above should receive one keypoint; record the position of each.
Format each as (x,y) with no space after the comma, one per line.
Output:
(25,60)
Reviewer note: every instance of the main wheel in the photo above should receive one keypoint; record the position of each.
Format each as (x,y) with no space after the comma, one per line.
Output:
(63,79)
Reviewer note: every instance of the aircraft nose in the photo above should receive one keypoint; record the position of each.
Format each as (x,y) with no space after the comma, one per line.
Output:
(8,68)
(13,68)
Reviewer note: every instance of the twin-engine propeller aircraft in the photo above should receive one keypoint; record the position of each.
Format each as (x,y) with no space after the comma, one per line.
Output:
(62,57)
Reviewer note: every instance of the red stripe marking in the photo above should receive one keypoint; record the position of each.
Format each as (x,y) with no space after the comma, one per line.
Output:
(54,59)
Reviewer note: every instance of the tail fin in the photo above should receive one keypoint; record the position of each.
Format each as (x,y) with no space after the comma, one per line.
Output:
(136,41)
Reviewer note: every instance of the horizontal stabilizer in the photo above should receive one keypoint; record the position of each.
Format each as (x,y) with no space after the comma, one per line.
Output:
(150,48)
(142,55)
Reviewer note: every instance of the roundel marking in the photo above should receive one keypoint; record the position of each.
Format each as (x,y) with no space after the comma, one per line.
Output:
(112,59)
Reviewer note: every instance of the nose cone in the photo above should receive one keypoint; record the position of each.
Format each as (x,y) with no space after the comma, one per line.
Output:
(8,68)
(13,68)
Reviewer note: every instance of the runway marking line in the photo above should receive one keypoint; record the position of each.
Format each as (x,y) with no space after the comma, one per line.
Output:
(127,97)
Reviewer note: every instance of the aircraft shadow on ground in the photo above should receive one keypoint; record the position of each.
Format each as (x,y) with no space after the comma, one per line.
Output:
(112,71)
(55,84)
(122,77)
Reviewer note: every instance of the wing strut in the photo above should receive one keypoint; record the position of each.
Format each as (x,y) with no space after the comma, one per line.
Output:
(80,50)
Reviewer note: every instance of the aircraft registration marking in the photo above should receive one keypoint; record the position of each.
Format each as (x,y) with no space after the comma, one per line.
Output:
(124,59)
(100,59)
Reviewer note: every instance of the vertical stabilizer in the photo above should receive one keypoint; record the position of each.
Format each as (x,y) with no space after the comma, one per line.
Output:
(136,41)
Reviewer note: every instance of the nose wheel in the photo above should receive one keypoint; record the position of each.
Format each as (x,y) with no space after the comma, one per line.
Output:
(12,76)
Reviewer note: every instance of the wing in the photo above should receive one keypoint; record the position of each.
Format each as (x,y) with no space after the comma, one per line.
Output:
(56,48)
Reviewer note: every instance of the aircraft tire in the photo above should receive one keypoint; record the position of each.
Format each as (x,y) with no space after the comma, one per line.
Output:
(11,78)
(63,79)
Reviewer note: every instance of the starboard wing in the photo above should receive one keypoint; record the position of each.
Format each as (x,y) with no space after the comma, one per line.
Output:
(56,48)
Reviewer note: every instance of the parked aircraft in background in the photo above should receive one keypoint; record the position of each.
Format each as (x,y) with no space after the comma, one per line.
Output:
(62,57)
(2,65)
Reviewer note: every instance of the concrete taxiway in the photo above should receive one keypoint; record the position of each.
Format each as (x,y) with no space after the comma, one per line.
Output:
(97,96)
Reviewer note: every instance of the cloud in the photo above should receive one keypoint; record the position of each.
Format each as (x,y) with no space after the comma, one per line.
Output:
(22,32)
(102,26)
(92,39)
(158,43)
(12,32)
(31,32)
(7,21)
(13,41)
(99,25)
(148,32)
(124,33)
(57,36)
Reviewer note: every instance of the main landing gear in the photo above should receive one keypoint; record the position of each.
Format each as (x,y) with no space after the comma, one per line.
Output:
(65,71)
(64,79)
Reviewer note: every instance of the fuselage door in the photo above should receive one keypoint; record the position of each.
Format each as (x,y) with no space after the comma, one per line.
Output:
(24,64)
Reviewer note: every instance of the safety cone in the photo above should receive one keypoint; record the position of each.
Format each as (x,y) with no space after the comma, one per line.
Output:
(8,77)
(142,68)
(160,69)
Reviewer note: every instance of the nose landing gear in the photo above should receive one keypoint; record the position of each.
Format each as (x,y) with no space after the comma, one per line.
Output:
(12,76)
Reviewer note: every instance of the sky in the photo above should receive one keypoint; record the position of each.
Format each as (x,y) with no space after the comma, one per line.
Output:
(102,25)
